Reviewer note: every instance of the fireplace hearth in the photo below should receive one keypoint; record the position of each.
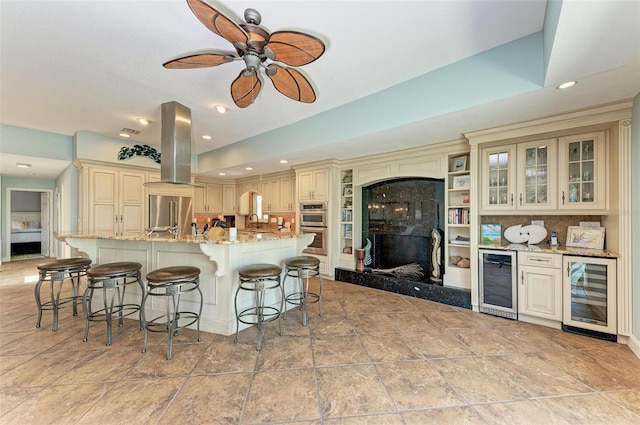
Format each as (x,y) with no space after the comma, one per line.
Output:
(426,291)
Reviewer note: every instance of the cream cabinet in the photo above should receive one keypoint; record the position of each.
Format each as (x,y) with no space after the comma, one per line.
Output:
(116,202)
(287,194)
(519,177)
(313,185)
(582,173)
(207,199)
(167,189)
(458,228)
(540,288)
(229,203)
(277,194)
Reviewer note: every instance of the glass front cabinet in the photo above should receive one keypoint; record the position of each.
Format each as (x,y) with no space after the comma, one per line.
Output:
(519,177)
(590,294)
(582,176)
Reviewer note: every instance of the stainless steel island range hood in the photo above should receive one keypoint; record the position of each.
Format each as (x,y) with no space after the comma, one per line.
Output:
(175,145)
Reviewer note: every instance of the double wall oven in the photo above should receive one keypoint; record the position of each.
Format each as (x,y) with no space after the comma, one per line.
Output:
(313,219)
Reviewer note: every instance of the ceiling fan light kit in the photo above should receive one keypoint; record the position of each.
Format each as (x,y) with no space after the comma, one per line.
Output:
(259,49)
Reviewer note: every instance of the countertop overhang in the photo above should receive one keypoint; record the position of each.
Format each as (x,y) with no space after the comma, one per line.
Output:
(243,237)
(562,250)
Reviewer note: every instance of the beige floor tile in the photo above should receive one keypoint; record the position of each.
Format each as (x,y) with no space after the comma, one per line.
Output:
(596,374)
(484,343)
(285,353)
(410,321)
(56,405)
(523,412)
(226,356)
(110,364)
(448,416)
(339,351)
(539,377)
(331,325)
(479,379)
(372,323)
(138,401)
(389,347)
(592,408)
(383,419)
(281,395)
(630,399)
(433,342)
(154,363)
(417,385)
(214,399)
(352,390)
(12,397)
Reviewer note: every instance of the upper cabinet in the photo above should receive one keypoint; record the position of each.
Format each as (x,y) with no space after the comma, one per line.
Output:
(115,201)
(229,199)
(313,185)
(582,176)
(519,177)
(277,194)
(544,175)
(207,199)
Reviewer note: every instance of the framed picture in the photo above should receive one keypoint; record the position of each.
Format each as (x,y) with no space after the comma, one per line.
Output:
(460,163)
(490,234)
(348,191)
(585,237)
(461,182)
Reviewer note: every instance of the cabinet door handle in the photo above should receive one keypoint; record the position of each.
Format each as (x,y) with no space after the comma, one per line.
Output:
(116,218)
(521,199)
(563,197)
(522,276)
(512,199)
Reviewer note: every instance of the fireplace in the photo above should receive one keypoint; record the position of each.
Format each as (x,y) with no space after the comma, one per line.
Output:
(398,217)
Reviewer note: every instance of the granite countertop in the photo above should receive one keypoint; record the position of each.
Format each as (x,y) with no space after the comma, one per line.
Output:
(243,237)
(585,252)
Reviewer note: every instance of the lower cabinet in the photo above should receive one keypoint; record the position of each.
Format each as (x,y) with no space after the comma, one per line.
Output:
(540,288)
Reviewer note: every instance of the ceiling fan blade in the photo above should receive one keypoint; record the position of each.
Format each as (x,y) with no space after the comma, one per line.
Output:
(217,22)
(245,89)
(291,83)
(198,61)
(295,48)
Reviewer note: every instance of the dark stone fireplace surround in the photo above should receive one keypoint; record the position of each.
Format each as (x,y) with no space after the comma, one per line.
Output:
(398,218)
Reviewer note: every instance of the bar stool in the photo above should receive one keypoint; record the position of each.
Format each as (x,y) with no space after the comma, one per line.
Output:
(259,278)
(303,267)
(57,272)
(171,283)
(112,279)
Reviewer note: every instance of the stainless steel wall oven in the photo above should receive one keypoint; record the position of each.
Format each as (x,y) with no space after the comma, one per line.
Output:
(313,219)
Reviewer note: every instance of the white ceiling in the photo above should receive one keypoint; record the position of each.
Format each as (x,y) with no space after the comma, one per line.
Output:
(97,65)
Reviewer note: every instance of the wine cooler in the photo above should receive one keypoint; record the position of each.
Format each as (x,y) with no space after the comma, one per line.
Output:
(590,296)
(498,283)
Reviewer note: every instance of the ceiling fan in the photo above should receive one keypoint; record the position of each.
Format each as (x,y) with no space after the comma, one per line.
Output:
(259,49)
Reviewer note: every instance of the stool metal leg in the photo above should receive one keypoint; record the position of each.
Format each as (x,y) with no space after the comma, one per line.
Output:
(37,295)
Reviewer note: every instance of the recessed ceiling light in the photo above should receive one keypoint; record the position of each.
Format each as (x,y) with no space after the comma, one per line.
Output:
(222,174)
(23,165)
(248,168)
(206,137)
(221,109)
(143,121)
(567,85)
(283,161)
(125,135)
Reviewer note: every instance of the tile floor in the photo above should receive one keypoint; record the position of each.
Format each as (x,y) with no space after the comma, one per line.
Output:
(374,358)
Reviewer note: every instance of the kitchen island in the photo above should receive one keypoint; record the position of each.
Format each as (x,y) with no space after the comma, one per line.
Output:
(218,259)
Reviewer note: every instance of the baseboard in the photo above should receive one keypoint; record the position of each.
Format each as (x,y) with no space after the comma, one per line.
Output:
(634,344)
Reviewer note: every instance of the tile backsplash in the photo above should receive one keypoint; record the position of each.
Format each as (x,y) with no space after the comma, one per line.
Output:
(559,223)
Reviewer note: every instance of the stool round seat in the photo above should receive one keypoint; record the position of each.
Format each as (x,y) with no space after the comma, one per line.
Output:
(258,271)
(258,279)
(112,269)
(64,264)
(169,274)
(302,261)
(303,268)
(111,280)
(171,283)
(57,272)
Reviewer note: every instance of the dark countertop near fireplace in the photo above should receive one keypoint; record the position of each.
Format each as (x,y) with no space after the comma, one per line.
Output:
(428,291)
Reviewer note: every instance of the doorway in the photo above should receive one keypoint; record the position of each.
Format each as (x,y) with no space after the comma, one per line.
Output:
(29,219)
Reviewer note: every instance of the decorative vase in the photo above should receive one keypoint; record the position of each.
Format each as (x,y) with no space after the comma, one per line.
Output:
(360,256)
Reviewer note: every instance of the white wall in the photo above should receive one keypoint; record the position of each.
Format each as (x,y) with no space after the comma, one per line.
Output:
(635,217)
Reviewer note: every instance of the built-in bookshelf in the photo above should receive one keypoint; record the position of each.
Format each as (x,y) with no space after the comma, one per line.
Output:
(346,212)
(458,222)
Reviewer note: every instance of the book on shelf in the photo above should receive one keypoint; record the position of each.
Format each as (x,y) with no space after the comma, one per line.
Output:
(459,216)
(460,240)
(347,215)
